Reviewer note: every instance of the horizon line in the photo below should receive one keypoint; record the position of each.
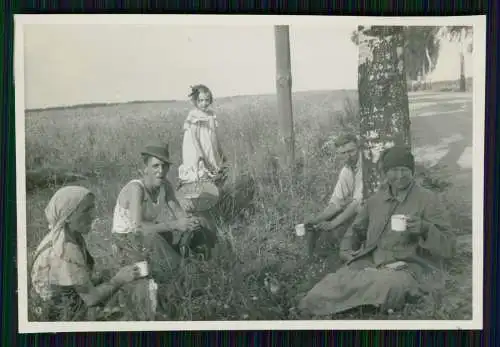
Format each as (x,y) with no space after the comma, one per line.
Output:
(104,104)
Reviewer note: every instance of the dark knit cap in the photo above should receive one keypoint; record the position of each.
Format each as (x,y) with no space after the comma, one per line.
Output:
(398,156)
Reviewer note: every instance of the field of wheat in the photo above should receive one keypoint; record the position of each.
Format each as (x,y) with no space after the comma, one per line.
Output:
(103,143)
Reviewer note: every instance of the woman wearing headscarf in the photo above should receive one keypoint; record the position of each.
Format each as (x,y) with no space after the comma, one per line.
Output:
(61,274)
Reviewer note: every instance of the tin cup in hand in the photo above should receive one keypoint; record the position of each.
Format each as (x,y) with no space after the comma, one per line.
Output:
(300,230)
(398,222)
(143,268)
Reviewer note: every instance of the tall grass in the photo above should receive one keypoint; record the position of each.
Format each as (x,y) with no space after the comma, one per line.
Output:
(105,142)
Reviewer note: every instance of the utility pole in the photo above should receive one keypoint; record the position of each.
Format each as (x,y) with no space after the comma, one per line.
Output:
(284,94)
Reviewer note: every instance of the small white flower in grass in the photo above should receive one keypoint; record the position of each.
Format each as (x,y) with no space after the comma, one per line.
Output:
(244,316)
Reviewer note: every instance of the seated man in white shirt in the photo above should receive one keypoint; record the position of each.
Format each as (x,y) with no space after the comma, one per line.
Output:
(346,198)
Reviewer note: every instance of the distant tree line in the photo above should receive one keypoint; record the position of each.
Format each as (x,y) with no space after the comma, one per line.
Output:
(422,47)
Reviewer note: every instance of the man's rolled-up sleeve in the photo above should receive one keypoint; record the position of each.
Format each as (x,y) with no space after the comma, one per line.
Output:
(342,194)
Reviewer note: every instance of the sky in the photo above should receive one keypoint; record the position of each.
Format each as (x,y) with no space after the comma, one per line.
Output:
(67,64)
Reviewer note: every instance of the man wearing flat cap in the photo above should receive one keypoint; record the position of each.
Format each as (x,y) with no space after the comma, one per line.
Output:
(346,198)
(406,234)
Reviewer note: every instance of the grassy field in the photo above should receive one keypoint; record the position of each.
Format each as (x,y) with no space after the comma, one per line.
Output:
(104,142)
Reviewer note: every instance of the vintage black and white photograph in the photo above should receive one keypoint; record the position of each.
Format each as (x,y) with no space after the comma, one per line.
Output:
(256,172)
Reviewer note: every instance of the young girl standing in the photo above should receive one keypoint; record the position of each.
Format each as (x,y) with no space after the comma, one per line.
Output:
(202,156)
(204,169)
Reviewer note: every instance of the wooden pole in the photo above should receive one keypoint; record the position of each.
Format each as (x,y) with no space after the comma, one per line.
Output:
(284,93)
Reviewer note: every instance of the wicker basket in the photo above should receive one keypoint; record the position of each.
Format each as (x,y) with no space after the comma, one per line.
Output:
(202,194)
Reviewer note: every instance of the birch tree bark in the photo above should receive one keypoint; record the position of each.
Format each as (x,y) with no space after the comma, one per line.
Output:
(383,97)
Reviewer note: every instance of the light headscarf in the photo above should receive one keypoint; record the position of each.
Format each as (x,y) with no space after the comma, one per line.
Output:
(60,207)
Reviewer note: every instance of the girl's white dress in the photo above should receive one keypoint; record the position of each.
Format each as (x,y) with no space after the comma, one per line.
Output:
(201,152)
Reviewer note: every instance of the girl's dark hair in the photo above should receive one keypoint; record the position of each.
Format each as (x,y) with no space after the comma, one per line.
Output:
(197,89)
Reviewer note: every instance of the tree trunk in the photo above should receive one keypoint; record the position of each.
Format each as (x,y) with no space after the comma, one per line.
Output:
(383,97)
(284,93)
(463,86)
(463,36)
(424,77)
(428,84)
(429,60)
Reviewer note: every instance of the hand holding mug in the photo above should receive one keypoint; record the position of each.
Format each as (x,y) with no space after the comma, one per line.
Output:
(414,225)
(187,224)
(128,274)
(323,226)
(309,222)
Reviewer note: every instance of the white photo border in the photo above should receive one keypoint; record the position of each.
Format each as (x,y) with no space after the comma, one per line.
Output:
(479,61)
